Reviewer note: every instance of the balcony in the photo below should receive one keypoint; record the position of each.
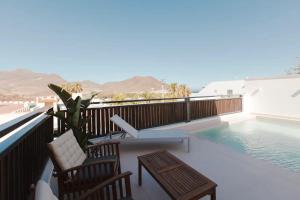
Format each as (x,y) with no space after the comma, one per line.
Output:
(24,159)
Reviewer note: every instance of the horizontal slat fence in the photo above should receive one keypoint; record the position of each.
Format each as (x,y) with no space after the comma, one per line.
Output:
(151,115)
(23,157)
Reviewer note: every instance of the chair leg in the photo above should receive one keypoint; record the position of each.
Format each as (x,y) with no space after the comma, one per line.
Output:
(139,173)
(119,169)
(213,195)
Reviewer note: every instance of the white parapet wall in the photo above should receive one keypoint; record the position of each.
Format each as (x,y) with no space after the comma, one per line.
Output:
(234,87)
(273,96)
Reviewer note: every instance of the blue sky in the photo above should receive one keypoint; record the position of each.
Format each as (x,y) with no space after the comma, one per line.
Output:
(192,42)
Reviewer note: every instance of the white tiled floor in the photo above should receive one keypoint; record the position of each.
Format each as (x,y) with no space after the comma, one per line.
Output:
(239,176)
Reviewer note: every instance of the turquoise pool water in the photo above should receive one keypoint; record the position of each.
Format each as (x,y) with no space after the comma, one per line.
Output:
(274,140)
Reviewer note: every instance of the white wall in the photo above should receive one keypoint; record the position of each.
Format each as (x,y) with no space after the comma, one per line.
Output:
(221,88)
(276,96)
(272,96)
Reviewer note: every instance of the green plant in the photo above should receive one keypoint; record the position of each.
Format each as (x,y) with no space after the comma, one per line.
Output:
(72,87)
(178,91)
(73,119)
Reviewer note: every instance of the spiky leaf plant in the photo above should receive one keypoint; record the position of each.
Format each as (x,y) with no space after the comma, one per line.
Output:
(73,119)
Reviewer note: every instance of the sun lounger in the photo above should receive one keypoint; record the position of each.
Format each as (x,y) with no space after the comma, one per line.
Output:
(151,135)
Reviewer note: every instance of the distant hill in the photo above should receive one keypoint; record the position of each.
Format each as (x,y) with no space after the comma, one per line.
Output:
(134,84)
(27,83)
(23,82)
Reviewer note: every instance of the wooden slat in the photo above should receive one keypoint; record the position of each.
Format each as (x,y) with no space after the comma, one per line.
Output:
(94,121)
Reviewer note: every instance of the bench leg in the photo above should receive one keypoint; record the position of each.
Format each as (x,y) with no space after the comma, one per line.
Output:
(140,173)
(213,195)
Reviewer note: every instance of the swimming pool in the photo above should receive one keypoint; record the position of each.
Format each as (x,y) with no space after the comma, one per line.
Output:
(275,140)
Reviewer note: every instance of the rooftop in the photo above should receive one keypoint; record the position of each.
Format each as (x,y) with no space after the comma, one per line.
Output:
(239,176)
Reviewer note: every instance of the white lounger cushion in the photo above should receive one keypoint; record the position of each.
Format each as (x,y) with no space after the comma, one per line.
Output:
(124,125)
(148,135)
(43,191)
(143,134)
(67,151)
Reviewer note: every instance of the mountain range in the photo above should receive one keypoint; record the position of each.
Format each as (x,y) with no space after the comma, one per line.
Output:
(23,82)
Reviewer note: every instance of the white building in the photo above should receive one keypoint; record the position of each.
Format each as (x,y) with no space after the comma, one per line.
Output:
(217,88)
(277,96)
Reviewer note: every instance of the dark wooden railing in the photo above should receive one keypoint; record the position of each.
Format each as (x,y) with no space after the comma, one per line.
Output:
(207,108)
(149,115)
(23,156)
(15,123)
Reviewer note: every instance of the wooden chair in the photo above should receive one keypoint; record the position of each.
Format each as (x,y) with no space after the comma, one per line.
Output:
(77,171)
(115,188)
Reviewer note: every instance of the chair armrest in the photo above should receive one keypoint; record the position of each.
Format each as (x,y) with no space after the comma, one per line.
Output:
(75,173)
(116,183)
(102,149)
(104,142)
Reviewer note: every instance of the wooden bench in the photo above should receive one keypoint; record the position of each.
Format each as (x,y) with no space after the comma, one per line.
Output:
(178,179)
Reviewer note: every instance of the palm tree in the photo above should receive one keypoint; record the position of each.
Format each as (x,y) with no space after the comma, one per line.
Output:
(72,87)
(184,91)
(173,89)
(177,91)
(77,88)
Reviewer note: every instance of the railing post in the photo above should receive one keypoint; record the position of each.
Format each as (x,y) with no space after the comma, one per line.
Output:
(188,109)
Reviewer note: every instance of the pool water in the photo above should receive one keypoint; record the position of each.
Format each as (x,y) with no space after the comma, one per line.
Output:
(274,140)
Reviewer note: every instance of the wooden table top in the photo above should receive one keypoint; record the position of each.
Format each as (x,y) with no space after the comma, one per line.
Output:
(177,178)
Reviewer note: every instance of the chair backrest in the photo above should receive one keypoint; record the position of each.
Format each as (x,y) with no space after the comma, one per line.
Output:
(43,191)
(65,151)
(124,125)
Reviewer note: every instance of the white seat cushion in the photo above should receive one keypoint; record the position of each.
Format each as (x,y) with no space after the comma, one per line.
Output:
(43,191)
(146,133)
(67,151)
(124,125)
